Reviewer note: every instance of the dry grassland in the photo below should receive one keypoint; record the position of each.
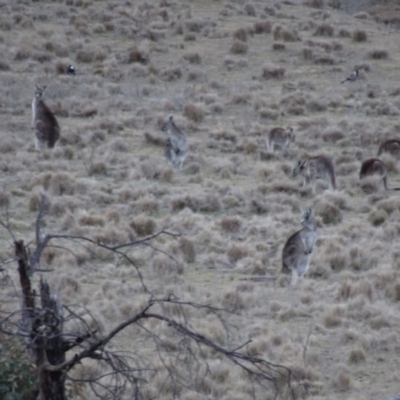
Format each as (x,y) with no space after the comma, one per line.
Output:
(228,71)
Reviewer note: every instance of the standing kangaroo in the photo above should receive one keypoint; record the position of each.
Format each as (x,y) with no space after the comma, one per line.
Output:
(296,254)
(44,123)
(281,137)
(176,146)
(374,166)
(319,167)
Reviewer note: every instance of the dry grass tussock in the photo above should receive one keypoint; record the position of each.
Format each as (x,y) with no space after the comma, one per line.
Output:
(233,204)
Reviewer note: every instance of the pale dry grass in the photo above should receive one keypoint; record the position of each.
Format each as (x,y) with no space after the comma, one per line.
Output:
(233,204)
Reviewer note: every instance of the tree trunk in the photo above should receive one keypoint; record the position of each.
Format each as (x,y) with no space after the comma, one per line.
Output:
(45,328)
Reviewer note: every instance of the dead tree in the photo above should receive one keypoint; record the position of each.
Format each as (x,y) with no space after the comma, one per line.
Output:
(55,353)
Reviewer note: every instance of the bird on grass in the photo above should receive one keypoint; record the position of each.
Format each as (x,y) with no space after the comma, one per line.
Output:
(352,77)
(71,70)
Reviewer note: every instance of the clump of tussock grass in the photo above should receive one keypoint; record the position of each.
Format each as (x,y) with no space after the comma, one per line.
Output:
(192,58)
(248,146)
(41,56)
(261,27)
(178,203)
(325,59)
(378,217)
(148,204)
(307,54)
(316,105)
(278,46)
(388,205)
(59,184)
(378,54)
(239,47)
(362,258)
(189,37)
(194,112)
(328,212)
(154,140)
(324,29)
(234,301)
(230,224)
(91,220)
(188,250)
(271,71)
(237,251)
(356,355)
(283,34)
(342,380)
(344,33)
(4,198)
(4,66)
(349,290)
(90,54)
(362,15)
(37,199)
(163,266)
(250,9)
(359,36)
(143,225)
(269,113)
(371,184)
(392,290)
(97,168)
(333,134)
(335,257)
(315,3)
(240,34)
(171,74)
(333,317)
(137,55)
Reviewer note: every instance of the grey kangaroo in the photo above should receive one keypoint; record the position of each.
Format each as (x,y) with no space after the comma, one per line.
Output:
(374,166)
(176,146)
(319,167)
(44,123)
(296,254)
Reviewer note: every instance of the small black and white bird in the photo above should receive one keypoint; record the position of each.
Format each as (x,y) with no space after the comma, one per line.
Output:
(352,77)
(71,70)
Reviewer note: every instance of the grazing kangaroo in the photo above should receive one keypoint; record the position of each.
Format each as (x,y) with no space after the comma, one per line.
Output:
(319,167)
(176,146)
(296,254)
(44,123)
(281,137)
(391,146)
(374,166)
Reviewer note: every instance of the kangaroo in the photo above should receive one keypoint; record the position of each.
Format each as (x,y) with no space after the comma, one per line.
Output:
(296,254)
(280,137)
(44,123)
(176,146)
(391,146)
(319,167)
(374,166)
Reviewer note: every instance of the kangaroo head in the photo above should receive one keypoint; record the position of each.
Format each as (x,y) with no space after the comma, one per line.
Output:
(39,91)
(168,124)
(298,168)
(308,218)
